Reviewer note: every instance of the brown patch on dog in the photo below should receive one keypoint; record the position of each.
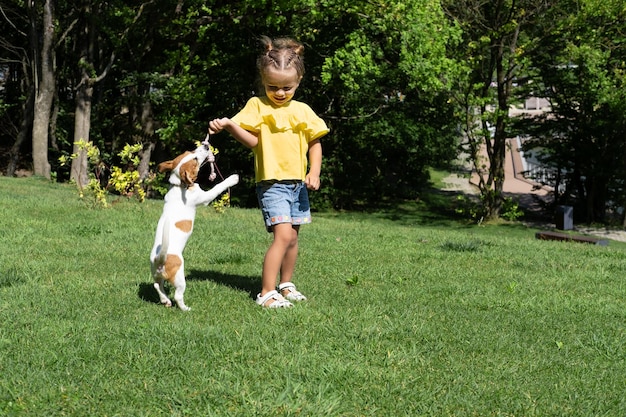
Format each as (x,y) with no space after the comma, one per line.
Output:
(184,225)
(189,172)
(172,265)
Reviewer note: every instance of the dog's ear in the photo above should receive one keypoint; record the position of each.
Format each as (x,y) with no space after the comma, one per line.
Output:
(170,165)
(165,166)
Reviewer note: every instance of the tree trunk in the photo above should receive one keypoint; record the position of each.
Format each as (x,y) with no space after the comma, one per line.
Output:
(498,154)
(82,124)
(624,200)
(624,215)
(496,171)
(144,163)
(29,64)
(84,95)
(147,127)
(26,128)
(45,95)
(54,117)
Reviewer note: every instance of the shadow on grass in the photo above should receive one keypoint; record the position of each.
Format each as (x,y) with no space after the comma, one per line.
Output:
(11,277)
(444,208)
(248,284)
(433,208)
(251,285)
(147,293)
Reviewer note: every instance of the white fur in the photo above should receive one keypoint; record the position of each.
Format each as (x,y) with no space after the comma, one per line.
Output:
(176,223)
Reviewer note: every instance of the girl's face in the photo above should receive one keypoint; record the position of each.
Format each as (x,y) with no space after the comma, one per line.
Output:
(280,85)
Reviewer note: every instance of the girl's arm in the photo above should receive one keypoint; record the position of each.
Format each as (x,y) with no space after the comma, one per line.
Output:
(315,165)
(242,136)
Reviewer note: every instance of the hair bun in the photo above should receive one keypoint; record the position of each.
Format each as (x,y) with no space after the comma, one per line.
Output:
(281,53)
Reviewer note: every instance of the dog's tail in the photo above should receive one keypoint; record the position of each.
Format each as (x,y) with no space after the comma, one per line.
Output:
(165,242)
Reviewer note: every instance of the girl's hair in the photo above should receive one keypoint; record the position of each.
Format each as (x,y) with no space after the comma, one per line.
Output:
(281,53)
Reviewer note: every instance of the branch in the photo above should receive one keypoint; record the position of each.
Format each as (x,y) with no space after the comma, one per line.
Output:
(106,70)
(64,35)
(11,23)
(382,106)
(12,49)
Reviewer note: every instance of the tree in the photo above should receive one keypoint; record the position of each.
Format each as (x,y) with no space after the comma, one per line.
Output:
(495,45)
(377,71)
(18,89)
(582,71)
(384,128)
(44,86)
(384,83)
(98,47)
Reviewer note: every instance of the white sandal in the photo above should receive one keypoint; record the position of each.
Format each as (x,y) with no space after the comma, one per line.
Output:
(294,294)
(279,300)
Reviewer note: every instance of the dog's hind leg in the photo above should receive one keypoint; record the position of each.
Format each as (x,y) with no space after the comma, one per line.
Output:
(174,272)
(158,286)
(158,258)
(179,291)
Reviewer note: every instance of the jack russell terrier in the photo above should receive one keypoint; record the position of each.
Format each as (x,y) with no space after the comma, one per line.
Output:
(176,222)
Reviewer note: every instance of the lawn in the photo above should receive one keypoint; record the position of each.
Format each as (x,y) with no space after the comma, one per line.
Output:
(408,315)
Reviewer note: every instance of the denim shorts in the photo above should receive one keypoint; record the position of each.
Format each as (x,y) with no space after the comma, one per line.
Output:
(283,202)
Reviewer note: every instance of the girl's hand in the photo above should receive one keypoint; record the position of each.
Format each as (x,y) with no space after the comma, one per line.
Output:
(217,125)
(244,137)
(312,182)
(312,179)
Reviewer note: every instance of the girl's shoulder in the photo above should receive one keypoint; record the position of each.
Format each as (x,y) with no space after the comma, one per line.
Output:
(256,101)
(301,108)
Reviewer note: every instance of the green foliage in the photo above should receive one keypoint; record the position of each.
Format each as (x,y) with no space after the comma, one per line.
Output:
(123,181)
(157,183)
(354,64)
(427,39)
(220,205)
(511,210)
(389,116)
(469,208)
(397,82)
(491,62)
(474,209)
(375,70)
(581,69)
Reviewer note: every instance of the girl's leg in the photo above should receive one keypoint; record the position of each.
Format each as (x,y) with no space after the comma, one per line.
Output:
(291,256)
(281,248)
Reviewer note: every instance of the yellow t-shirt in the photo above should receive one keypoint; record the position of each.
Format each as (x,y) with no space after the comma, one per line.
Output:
(284,134)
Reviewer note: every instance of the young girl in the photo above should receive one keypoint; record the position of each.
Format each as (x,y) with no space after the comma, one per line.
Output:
(281,132)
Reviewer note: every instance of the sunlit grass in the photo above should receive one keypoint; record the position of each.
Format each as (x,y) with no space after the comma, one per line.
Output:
(404,317)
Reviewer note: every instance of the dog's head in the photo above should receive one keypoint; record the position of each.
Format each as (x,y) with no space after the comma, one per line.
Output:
(185,167)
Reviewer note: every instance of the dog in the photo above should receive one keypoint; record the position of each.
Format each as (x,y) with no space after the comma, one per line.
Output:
(176,223)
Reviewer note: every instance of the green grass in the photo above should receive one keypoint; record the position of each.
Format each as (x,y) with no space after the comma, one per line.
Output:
(437,177)
(405,317)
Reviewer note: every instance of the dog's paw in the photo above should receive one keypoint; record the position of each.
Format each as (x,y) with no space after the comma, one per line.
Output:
(232,180)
